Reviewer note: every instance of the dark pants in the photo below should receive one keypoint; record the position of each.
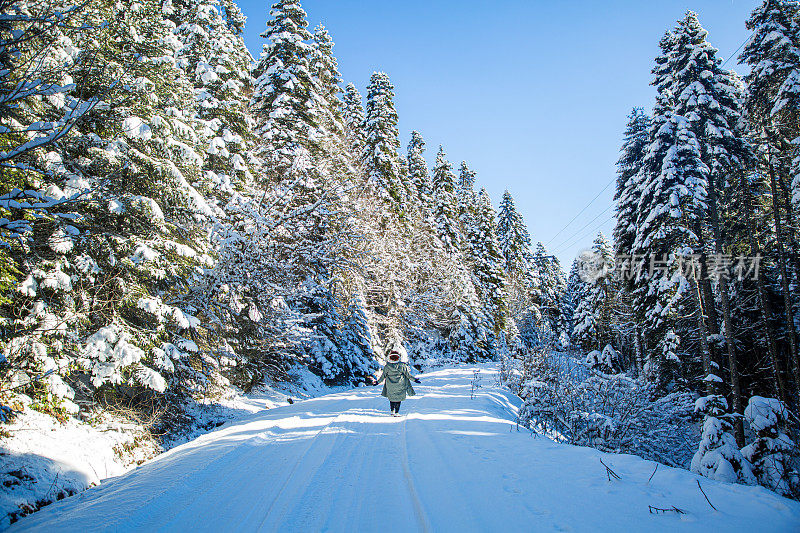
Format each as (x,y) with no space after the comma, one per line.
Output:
(394,407)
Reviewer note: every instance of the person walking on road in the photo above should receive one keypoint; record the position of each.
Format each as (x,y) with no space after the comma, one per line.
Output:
(397,380)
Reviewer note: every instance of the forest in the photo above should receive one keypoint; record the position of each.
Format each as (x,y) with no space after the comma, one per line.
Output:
(178,219)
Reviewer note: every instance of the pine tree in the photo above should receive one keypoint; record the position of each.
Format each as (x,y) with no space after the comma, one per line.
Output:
(628,176)
(573,294)
(298,234)
(487,261)
(418,172)
(673,195)
(718,456)
(380,157)
(353,114)
(446,207)
(284,100)
(548,292)
(338,161)
(469,337)
(672,204)
(217,62)
(593,313)
(515,241)
(773,105)
(711,97)
(627,196)
(325,69)
(771,452)
(465,191)
(773,54)
(137,238)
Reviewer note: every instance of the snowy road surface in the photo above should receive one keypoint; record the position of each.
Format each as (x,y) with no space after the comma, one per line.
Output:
(452,463)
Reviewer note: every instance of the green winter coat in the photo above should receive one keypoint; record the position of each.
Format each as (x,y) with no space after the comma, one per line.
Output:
(398,380)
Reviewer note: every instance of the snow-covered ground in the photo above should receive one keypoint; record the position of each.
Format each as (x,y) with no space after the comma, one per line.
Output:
(453,463)
(44,460)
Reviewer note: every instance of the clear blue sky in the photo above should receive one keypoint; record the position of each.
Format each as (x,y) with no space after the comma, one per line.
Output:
(532,94)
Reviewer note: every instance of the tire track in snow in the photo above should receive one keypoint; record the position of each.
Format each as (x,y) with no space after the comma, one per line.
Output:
(443,468)
(292,487)
(149,512)
(324,494)
(366,449)
(208,484)
(419,512)
(241,487)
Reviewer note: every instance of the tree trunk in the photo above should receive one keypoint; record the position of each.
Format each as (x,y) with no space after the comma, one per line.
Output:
(701,329)
(766,313)
(639,352)
(791,245)
(736,390)
(707,302)
(710,309)
(787,302)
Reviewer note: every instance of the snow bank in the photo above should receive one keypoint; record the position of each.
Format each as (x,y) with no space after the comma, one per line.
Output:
(45,460)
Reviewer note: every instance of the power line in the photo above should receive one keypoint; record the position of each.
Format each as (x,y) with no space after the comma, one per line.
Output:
(581,211)
(591,231)
(568,239)
(735,52)
(609,184)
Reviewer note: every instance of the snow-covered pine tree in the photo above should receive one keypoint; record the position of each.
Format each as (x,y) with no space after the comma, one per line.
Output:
(35,113)
(593,314)
(353,115)
(513,236)
(255,259)
(358,329)
(710,97)
(772,452)
(39,35)
(628,187)
(298,233)
(520,268)
(340,162)
(446,203)
(627,195)
(483,252)
(466,177)
(671,206)
(573,294)
(217,62)
(283,100)
(773,54)
(418,174)
(469,338)
(548,292)
(773,106)
(465,191)
(121,272)
(380,158)
(325,69)
(152,166)
(718,457)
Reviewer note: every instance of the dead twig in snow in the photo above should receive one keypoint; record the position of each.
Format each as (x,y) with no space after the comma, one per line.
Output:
(609,473)
(704,494)
(653,474)
(659,510)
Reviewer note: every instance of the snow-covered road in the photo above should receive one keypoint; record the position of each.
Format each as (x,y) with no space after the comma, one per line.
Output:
(452,463)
